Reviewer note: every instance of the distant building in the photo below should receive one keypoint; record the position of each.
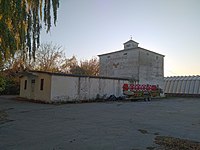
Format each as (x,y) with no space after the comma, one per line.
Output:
(182,86)
(133,62)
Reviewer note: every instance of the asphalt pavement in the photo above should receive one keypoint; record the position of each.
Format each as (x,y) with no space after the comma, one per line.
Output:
(99,126)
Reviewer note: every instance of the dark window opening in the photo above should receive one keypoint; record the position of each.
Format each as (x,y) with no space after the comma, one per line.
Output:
(125,53)
(108,57)
(33,81)
(41,84)
(156,57)
(25,84)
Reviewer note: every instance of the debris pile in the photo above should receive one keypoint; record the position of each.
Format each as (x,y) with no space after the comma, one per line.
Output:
(171,143)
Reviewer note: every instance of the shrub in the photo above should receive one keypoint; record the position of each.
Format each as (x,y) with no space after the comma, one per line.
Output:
(2,84)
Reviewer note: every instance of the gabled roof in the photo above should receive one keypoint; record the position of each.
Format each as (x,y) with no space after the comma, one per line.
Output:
(131,41)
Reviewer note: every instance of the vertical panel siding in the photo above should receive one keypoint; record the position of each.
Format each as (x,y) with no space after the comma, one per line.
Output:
(199,87)
(171,85)
(179,85)
(186,85)
(166,84)
(175,85)
(183,86)
(192,85)
(196,86)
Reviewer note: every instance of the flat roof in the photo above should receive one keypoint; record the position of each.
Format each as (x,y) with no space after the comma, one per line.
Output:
(129,50)
(32,72)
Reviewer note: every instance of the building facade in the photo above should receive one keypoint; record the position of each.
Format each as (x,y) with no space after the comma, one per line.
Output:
(138,64)
(55,87)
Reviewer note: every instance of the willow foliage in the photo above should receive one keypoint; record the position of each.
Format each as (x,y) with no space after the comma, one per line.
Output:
(20,25)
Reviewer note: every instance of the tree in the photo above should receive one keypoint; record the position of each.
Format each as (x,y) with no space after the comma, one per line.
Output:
(78,70)
(9,82)
(86,67)
(91,66)
(69,64)
(2,84)
(15,63)
(20,25)
(49,57)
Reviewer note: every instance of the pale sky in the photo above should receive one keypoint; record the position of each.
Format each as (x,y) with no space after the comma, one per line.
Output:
(87,28)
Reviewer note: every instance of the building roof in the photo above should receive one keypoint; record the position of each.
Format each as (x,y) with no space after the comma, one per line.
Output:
(131,49)
(131,41)
(193,77)
(34,73)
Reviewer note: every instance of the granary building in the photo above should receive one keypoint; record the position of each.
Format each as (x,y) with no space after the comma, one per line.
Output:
(138,64)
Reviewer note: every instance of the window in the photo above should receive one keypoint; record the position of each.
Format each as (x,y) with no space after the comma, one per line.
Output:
(125,53)
(156,57)
(108,57)
(25,84)
(33,81)
(41,84)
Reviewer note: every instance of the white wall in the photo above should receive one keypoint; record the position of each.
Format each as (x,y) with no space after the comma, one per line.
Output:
(123,64)
(66,88)
(151,68)
(140,64)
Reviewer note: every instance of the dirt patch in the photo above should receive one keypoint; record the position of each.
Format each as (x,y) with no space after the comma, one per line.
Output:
(171,143)
(24,111)
(156,133)
(143,131)
(3,115)
(151,148)
(119,104)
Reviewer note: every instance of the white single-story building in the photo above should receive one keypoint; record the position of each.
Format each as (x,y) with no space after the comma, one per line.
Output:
(55,87)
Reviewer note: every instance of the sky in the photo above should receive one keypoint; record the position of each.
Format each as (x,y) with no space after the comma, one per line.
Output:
(87,28)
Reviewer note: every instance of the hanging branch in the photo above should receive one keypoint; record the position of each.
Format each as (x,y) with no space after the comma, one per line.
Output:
(20,25)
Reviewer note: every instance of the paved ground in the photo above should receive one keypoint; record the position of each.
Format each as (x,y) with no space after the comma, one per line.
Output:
(102,126)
